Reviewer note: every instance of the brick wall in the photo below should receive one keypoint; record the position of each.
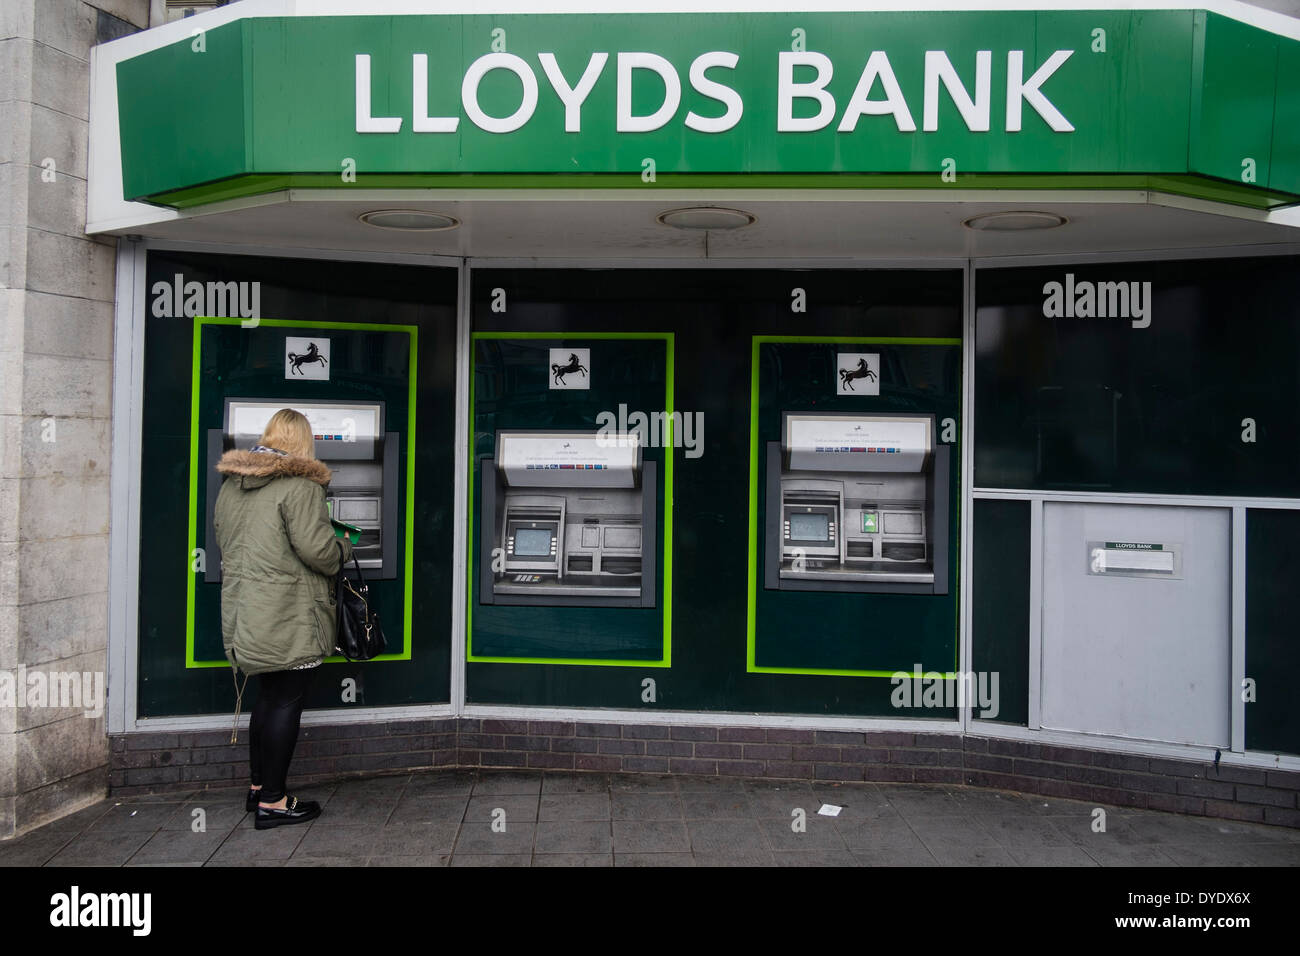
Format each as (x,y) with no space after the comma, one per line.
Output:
(152,762)
(145,763)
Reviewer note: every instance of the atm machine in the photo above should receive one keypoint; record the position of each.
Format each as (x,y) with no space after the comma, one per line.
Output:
(363,459)
(568,518)
(857,503)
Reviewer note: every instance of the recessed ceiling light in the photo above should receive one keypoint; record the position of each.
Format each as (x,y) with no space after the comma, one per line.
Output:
(706,217)
(1018,221)
(409,220)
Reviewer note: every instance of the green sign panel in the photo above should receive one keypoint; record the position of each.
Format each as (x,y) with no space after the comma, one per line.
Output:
(1152,99)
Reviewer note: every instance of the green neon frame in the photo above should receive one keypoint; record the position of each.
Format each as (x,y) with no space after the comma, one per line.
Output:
(750,666)
(666,555)
(411,330)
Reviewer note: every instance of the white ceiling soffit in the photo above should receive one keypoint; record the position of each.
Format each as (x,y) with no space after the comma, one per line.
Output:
(825,226)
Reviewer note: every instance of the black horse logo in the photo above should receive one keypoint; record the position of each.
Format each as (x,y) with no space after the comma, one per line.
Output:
(848,375)
(310,357)
(559,371)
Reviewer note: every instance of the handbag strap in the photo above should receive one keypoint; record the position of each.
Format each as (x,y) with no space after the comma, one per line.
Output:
(361,580)
(342,578)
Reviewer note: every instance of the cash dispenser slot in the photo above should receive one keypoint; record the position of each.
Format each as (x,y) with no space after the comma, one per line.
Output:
(350,440)
(569,519)
(857,503)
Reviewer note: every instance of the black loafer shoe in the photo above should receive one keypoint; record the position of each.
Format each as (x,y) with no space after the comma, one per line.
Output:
(295,811)
(254,796)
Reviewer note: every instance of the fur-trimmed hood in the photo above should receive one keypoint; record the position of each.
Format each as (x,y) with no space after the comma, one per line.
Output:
(254,465)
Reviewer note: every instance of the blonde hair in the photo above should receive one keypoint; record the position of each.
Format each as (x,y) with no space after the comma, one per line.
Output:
(290,432)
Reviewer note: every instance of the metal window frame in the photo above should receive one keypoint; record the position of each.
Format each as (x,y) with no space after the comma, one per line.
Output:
(1236,505)
(125,531)
(131,299)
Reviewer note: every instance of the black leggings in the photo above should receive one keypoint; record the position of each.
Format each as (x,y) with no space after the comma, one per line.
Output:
(273,728)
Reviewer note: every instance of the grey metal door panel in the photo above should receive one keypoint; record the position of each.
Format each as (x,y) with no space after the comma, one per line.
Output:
(1137,655)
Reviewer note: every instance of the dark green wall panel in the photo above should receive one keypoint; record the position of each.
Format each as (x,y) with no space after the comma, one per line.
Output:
(1272,649)
(247,364)
(846,631)
(1000,602)
(1094,404)
(512,392)
(713,315)
(312,291)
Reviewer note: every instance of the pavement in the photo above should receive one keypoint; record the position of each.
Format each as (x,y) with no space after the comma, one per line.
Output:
(519,818)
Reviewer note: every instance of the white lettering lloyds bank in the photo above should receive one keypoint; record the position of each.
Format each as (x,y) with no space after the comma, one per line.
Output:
(877,93)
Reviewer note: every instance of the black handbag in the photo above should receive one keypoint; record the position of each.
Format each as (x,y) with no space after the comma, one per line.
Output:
(359,635)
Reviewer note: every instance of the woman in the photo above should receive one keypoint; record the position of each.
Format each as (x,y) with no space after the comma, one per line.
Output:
(279,559)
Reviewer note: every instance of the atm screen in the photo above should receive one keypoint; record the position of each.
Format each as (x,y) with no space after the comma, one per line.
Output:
(809,527)
(532,542)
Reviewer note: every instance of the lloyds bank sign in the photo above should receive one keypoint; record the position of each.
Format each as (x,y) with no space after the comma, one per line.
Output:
(932,99)
(876,93)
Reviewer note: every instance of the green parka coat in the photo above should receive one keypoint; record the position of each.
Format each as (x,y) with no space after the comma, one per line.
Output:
(279,559)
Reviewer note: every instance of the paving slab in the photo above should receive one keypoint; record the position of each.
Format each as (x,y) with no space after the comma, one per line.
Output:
(492,859)
(574,806)
(507,782)
(178,848)
(575,783)
(573,859)
(654,859)
(573,836)
(563,818)
(650,836)
(479,839)
(645,805)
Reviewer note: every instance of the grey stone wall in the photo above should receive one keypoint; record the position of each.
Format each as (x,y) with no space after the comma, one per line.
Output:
(56,339)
